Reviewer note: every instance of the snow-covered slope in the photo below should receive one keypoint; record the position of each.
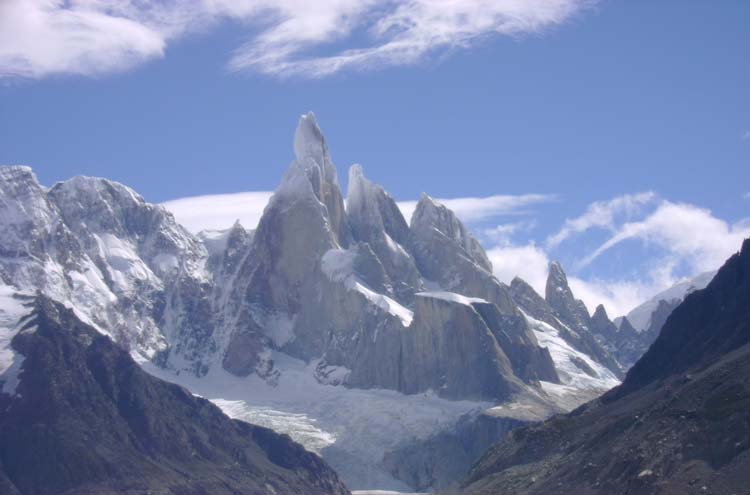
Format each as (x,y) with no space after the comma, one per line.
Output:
(125,266)
(14,308)
(350,428)
(640,317)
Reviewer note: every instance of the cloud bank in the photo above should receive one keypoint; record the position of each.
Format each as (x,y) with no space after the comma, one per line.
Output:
(40,38)
(220,211)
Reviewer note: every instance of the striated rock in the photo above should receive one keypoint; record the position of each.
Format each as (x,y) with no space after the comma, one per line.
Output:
(314,161)
(431,215)
(529,361)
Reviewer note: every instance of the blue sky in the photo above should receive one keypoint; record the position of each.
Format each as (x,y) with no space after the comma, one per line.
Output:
(640,106)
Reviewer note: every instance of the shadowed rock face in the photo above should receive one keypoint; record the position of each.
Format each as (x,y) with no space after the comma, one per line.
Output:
(625,343)
(679,423)
(86,419)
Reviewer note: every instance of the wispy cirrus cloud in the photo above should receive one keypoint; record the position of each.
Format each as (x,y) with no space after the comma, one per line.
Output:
(678,240)
(685,232)
(397,32)
(602,214)
(39,38)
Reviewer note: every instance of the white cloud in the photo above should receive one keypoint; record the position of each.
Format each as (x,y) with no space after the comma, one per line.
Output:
(687,233)
(398,33)
(219,211)
(503,233)
(601,214)
(531,263)
(43,37)
(528,262)
(617,296)
(680,239)
(477,209)
(39,38)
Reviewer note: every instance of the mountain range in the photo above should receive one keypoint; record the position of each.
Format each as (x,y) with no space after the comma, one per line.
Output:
(336,292)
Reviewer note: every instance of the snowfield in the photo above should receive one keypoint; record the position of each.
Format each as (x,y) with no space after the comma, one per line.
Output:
(350,428)
(578,386)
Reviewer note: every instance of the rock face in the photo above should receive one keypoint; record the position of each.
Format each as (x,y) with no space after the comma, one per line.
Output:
(86,419)
(678,424)
(573,315)
(623,342)
(567,315)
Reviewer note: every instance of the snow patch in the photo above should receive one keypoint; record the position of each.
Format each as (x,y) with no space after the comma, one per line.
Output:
(338,266)
(215,240)
(452,297)
(565,357)
(124,265)
(279,328)
(12,312)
